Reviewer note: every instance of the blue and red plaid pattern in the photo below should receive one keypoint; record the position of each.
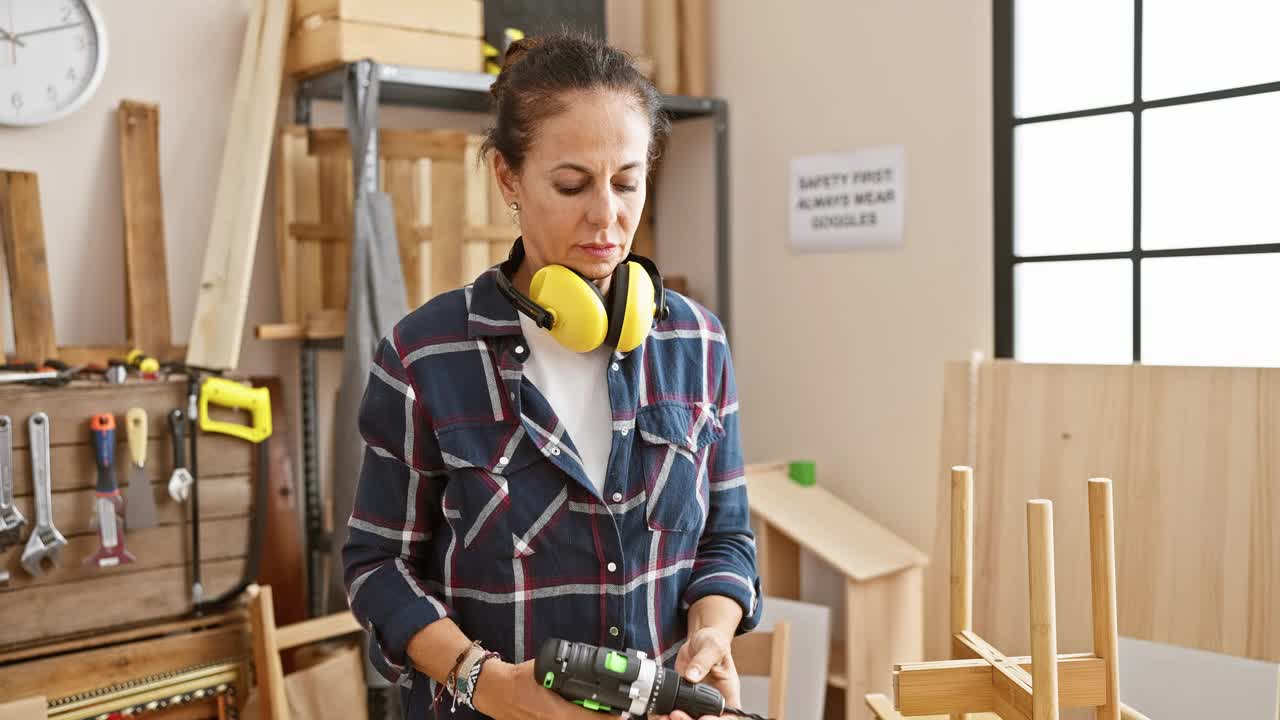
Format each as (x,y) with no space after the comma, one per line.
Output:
(472,501)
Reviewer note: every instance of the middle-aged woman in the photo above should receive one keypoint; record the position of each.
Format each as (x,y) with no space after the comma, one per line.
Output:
(516,489)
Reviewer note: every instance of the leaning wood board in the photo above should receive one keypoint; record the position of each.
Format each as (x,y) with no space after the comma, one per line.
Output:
(72,598)
(22,231)
(223,294)
(1194,454)
(146,279)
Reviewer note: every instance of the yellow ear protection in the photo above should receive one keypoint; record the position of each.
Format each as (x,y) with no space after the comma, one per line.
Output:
(577,314)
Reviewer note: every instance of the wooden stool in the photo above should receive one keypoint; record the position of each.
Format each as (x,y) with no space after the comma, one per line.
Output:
(1020,688)
(764,654)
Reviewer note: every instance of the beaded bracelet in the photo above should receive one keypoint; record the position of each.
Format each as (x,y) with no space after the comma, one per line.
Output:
(462,679)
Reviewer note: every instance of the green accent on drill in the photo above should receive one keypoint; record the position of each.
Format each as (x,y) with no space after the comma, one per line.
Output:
(593,705)
(614,662)
(549,680)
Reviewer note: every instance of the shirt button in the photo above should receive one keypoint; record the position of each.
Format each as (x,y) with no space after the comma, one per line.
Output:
(614,631)
(519,349)
(614,366)
(613,567)
(624,433)
(617,497)
(555,451)
(503,460)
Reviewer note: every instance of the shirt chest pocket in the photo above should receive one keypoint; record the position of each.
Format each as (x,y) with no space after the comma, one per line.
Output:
(675,439)
(499,490)
(483,462)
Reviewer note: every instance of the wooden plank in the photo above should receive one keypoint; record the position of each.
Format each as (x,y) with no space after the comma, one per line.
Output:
(223,294)
(326,45)
(66,675)
(693,47)
(500,235)
(266,654)
(335,210)
(47,612)
(779,560)
(952,452)
(147,323)
(404,144)
(448,201)
(880,705)
(310,259)
(322,628)
(70,407)
(1264,530)
(822,523)
(456,17)
(128,633)
(325,324)
(955,686)
(477,200)
(22,228)
(100,354)
(222,497)
(73,466)
(153,548)
(643,242)
(661,24)
(30,708)
(290,144)
(1011,684)
(400,182)
(883,626)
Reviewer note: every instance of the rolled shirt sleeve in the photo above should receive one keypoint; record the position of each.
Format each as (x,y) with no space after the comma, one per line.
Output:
(395,512)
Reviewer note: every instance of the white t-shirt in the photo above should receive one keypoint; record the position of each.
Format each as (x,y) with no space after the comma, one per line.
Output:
(577,387)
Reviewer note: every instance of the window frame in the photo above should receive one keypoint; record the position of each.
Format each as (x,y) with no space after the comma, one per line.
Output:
(1004,125)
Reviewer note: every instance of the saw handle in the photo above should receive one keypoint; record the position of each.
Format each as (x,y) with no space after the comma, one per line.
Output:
(103,428)
(177,430)
(231,394)
(136,429)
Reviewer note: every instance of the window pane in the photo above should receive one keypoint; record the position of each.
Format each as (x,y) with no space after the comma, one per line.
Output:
(1211,173)
(1073,185)
(1071,55)
(1074,312)
(1193,46)
(1211,310)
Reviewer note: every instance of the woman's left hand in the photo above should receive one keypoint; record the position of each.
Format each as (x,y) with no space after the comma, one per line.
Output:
(705,658)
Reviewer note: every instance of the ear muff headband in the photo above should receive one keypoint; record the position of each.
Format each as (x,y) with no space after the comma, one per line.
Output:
(573,310)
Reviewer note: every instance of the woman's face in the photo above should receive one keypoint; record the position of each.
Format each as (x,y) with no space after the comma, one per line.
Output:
(582,186)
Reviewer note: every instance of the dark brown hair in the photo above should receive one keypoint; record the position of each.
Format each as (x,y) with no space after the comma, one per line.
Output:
(538,71)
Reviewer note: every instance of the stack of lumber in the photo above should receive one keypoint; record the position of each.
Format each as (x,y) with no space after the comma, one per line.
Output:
(444,34)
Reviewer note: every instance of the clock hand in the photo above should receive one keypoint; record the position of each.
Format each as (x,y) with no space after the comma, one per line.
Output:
(46,30)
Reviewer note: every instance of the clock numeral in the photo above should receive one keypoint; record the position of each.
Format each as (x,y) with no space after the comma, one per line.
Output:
(81,43)
(16,99)
(71,74)
(66,13)
(52,92)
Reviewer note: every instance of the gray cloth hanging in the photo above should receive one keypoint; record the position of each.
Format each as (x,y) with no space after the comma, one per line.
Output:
(375,302)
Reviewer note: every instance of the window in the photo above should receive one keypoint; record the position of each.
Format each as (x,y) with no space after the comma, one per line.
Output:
(1137,181)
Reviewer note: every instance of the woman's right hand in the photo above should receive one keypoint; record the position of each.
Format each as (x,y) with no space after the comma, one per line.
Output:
(510,692)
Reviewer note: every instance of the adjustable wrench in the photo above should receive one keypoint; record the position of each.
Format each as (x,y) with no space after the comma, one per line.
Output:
(46,542)
(11,521)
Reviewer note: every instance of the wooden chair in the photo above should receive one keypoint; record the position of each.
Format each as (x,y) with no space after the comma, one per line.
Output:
(764,654)
(269,641)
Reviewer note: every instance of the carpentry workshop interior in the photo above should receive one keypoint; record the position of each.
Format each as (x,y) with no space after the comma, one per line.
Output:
(559,359)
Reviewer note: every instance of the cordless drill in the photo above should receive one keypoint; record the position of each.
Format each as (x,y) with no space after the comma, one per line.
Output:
(627,682)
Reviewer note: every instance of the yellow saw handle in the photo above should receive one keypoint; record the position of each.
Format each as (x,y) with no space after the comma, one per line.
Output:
(231,394)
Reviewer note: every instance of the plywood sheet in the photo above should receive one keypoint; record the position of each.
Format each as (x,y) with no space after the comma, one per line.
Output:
(1190,451)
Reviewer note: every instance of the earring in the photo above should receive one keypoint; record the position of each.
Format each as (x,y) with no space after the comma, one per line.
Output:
(515,206)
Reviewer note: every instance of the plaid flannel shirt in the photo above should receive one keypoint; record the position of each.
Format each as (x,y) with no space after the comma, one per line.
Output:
(473,504)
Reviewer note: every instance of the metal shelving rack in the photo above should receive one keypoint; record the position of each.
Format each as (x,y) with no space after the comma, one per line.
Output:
(461,92)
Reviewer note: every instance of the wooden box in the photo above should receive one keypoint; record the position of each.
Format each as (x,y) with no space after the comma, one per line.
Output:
(72,598)
(452,17)
(327,44)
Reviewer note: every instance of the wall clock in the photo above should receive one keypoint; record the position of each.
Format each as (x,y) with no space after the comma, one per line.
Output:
(52,57)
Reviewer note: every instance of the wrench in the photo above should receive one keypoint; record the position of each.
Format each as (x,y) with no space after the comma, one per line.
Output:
(46,542)
(11,521)
(180,481)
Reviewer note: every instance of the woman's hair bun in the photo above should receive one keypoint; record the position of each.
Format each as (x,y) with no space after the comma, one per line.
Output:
(515,52)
